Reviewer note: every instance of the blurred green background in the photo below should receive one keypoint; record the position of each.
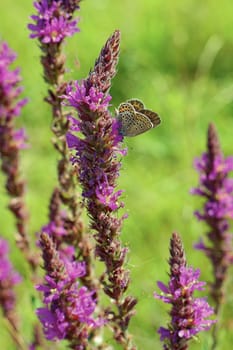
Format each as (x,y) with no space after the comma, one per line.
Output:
(177,57)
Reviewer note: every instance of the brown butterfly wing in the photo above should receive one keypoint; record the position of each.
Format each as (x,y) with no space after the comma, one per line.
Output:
(154,117)
(125,116)
(126,107)
(137,126)
(137,104)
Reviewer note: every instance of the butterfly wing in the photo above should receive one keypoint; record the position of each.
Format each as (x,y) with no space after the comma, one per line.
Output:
(154,117)
(136,126)
(137,104)
(125,115)
(133,122)
(125,107)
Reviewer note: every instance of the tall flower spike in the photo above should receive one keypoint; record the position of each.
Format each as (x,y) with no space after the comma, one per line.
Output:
(69,308)
(54,22)
(11,142)
(216,188)
(8,280)
(97,153)
(188,314)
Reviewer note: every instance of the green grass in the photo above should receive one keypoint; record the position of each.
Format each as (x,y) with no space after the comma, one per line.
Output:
(177,58)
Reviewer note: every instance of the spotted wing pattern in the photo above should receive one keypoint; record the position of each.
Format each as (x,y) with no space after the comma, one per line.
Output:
(126,114)
(136,125)
(140,125)
(135,119)
(137,104)
(126,107)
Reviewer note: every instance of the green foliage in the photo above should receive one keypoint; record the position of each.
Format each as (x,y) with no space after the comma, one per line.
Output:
(176,56)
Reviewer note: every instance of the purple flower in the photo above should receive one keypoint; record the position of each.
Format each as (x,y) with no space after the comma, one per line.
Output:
(10,105)
(52,24)
(11,141)
(96,180)
(97,149)
(8,279)
(188,314)
(215,186)
(61,228)
(216,189)
(69,308)
(79,96)
(60,234)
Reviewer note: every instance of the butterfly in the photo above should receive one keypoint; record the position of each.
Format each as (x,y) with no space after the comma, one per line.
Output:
(135,119)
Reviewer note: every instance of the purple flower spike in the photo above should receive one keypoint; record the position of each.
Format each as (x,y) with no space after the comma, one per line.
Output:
(97,149)
(96,155)
(8,280)
(216,189)
(10,105)
(188,314)
(12,140)
(53,22)
(69,308)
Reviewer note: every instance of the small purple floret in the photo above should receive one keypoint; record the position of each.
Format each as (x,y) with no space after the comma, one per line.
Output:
(52,24)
